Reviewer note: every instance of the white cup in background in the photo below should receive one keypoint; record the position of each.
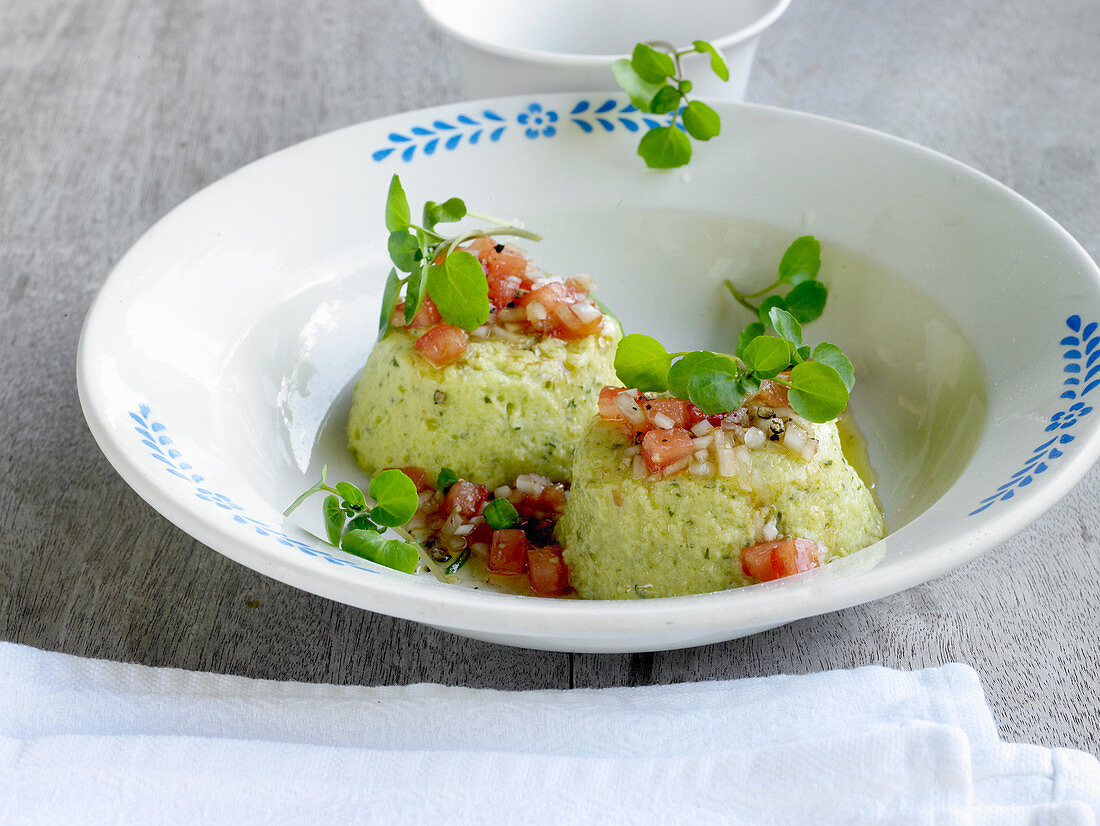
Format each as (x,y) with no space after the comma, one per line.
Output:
(507,47)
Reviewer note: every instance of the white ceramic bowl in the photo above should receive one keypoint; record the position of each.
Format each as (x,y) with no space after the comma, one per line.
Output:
(215,366)
(506,47)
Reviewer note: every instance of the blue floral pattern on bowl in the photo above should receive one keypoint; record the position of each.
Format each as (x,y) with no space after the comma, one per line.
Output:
(534,121)
(1081,370)
(162,448)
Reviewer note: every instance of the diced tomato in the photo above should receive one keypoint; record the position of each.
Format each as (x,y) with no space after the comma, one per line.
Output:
(569,324)
(508,551)
(772,394)
(468,498)
(503,291)
(553,313)
(506,262)
(609,411)
(662,448)
(550,502)
(766,561)
(419,477)
(696,415)
(549,295)
(683,414)
(547,571)
(426,316)
(482,532)
(443,344)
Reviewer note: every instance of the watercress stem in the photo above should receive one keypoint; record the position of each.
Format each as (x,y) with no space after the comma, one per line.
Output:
(741,298)
(436,568)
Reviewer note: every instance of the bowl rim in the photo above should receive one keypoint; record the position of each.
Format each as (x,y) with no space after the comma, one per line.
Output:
(588,61)
(464,610)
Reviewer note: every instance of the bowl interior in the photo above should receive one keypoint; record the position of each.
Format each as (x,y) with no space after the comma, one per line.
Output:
(920,401)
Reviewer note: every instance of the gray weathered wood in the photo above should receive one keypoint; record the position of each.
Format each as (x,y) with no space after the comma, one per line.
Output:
(114,111)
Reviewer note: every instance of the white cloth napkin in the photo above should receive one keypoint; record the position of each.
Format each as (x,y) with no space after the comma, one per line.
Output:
(88,741)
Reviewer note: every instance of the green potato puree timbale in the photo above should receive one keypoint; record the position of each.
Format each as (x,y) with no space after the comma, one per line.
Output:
(504,410)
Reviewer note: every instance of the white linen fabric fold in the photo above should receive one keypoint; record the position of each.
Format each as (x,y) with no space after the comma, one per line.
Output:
(91,741)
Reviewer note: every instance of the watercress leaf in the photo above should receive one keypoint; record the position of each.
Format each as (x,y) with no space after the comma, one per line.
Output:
(833,356)
(664,147)
(748,334)
(749,385)
(640,92)
(682,369)
(389,301)
(401,556)
(352,495)
(395,498)
(817,391)
(684,86)
(701,121)
(642,362)
(397,207)
(713,384)
(460,291)
(363,542)
(453,209)
(403,248)
(651,65)
(428,213)
(801,261)
(786,325)
(414,293)
(334,518)
(802,353)
(666,100)
(500,514)
(717,63)
(767,356)
(766,307)
(361,521)
(807,301)
(446,478)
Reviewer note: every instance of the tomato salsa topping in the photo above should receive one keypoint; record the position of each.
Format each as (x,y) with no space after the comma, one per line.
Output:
(509,531)
(524,301)
(670,435)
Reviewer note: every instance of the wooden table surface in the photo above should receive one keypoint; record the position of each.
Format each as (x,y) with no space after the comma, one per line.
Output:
(114,111)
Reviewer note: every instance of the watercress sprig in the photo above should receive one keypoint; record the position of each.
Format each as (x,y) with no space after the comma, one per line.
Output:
(358,529)
(435,267)
(818,382)
(806,296)
(654,80)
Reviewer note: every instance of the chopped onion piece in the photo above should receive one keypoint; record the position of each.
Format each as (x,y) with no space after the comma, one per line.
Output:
(663,422)
(727,463)
(625,402)
(584,281)
(502,492)
(755,438)
(809,450)
(793,440)
(702,428)
(536,312)
(702,442)
(699,469)
(633,450)
(771,532)
(639,470)
(676,467)
(585,311)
